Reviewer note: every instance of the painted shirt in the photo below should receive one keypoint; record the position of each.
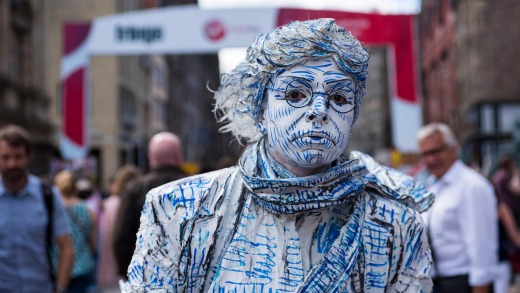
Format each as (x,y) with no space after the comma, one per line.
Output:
(258,228)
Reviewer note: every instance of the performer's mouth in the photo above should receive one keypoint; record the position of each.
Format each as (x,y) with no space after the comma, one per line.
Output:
(314,138)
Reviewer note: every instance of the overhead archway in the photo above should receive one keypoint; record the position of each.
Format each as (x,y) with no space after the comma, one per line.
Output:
(188,29)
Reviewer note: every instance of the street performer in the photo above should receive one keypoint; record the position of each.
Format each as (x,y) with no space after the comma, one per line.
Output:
(296,214)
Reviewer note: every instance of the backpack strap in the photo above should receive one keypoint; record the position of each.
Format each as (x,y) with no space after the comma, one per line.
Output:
(49,206)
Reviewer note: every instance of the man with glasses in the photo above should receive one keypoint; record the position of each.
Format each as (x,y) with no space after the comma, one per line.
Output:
(295,215)
(462,221)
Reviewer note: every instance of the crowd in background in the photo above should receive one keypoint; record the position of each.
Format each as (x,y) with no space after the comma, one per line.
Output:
(92,218)
(103,223)
(96,231)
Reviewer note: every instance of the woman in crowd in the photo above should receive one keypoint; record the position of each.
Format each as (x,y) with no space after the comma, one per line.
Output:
(107,276)
(83,227)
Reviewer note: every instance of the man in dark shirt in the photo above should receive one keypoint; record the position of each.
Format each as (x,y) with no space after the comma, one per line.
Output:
(165,157)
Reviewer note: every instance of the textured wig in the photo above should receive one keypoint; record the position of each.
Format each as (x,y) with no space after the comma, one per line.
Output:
(240,97)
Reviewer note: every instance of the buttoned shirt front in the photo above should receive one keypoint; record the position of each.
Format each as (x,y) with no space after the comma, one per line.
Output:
(24,265)
(463,225)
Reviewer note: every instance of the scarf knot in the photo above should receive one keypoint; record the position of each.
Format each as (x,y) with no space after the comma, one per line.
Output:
(280,192)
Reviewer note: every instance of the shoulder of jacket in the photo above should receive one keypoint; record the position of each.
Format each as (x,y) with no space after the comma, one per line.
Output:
(188,193)
(198,183)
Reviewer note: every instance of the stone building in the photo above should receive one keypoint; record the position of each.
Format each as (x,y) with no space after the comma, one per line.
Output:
(134,97)
(128,93)
(372,132)
(23,97)
(193,78)
(468,72)
(190,112)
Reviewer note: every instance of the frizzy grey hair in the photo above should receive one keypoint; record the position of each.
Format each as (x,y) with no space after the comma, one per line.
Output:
(240,97)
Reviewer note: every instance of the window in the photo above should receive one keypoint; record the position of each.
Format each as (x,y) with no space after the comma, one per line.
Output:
(508,116)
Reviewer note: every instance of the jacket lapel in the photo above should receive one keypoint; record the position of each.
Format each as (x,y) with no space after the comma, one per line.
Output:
(341,258)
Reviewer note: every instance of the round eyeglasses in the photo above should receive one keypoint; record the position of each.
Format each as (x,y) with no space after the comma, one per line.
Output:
(299,94)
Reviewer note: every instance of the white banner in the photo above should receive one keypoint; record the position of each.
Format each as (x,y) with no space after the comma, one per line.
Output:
(190,30)
(177,30)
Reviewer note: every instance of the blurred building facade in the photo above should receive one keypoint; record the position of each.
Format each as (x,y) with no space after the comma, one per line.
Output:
(194,77)
(23,98)
(468,71)
(193,80)
(135,97)
(131,97)
(372,132)
(128,93)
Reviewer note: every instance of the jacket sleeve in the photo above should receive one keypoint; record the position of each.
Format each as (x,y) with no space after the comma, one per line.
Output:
(157,261)
(414,268)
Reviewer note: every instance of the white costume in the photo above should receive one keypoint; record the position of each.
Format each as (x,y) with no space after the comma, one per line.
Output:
(256,228)
(295,215)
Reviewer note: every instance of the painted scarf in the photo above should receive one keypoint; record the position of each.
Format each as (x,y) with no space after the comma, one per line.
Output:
(296,233)
(258,228)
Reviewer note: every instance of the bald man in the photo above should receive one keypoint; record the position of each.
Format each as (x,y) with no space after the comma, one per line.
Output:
(164,158)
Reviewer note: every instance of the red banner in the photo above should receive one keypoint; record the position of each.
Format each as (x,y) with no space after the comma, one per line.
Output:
(375,29)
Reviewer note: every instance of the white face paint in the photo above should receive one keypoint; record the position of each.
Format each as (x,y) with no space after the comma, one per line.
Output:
(309,115)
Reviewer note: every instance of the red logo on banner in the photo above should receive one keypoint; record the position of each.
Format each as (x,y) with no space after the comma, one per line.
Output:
(215,30)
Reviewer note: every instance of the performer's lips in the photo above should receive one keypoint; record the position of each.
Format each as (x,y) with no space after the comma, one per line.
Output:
(315,137)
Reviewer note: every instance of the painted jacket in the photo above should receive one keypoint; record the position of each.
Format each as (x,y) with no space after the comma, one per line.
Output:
(354,227)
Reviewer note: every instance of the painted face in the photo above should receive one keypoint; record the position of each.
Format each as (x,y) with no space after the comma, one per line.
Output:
(309,115)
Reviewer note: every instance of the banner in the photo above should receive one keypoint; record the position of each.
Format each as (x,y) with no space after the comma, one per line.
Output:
(177,30)
(74,91)
(187,29)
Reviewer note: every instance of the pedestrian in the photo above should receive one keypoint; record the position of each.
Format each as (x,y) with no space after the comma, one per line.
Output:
(85,191)
(83,223)
(509,215)
(31,217)
(509,240)
(502,181)
(165,159)
(295,215)
(463,220)
(107,273)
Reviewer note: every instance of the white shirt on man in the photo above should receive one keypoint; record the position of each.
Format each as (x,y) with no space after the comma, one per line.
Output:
(463,225)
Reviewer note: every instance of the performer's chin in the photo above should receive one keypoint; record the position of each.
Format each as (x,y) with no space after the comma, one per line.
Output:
(315,157)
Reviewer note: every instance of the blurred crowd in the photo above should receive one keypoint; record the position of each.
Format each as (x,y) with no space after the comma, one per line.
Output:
(103,222)
(93,232)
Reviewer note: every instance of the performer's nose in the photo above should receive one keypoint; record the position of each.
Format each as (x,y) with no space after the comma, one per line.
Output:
(318,111)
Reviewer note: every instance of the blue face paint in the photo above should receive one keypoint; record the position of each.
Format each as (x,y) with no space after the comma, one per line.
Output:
(309,115)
